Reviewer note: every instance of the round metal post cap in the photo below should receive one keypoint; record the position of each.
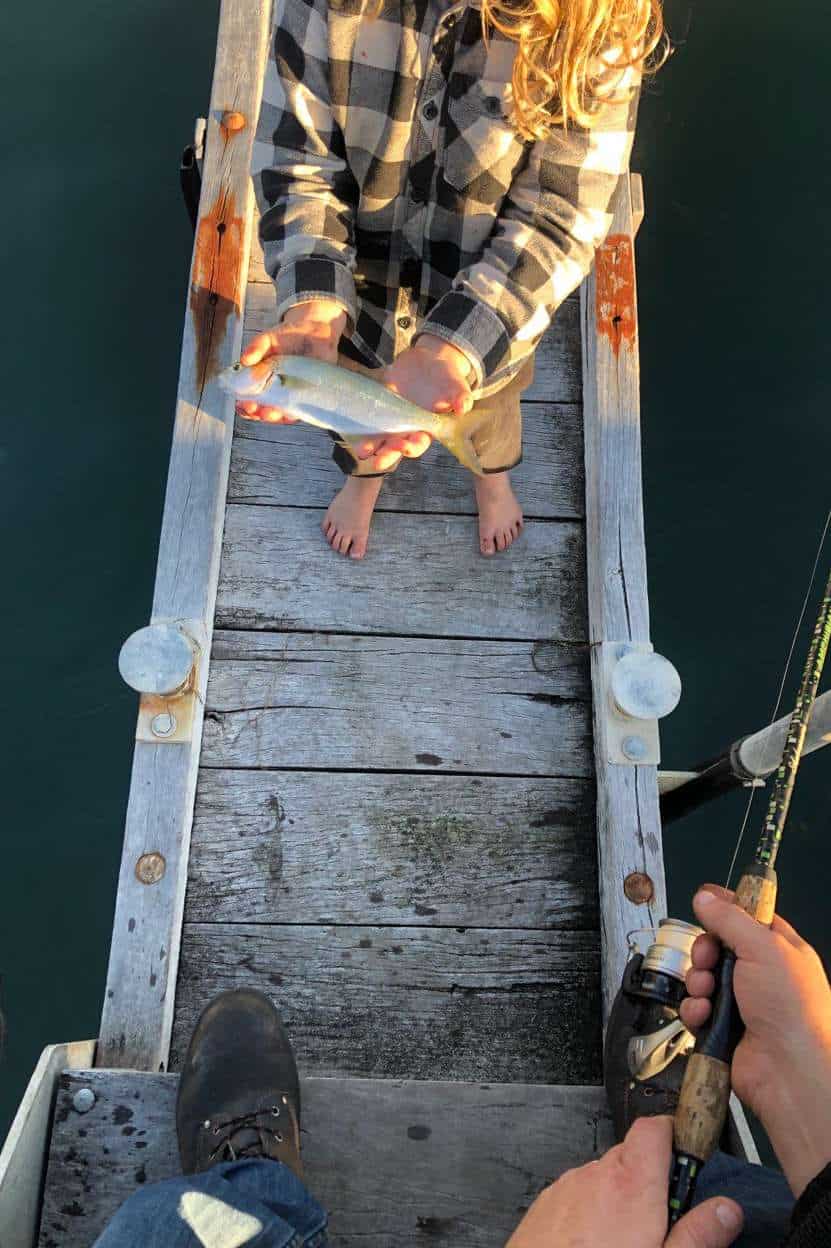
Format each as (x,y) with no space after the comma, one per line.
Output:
(157,659)
(645,686)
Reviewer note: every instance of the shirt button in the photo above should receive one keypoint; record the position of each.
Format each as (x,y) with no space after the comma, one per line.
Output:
(404,322)
(430,111)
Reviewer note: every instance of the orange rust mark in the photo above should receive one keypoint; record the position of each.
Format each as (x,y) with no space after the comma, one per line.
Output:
(231,123)
(215,280)
(615,291)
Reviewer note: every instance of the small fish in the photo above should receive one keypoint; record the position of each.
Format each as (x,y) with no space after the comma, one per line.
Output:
(351,404)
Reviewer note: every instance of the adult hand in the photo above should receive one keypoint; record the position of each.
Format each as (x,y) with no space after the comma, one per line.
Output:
(621,1202)
(782,1066)
(312,328)
(432,374)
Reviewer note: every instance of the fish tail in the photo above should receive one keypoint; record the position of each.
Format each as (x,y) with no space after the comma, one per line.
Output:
(454,433)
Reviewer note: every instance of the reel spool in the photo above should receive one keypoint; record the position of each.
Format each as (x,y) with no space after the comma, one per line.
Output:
(656,981)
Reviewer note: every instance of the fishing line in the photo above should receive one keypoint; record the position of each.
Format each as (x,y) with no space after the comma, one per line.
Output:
(782,683)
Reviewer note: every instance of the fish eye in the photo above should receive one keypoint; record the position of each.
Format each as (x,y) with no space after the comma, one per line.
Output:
(237,368)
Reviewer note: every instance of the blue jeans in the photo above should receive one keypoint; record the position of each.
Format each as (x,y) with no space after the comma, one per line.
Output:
(261,1204)
(762,1193)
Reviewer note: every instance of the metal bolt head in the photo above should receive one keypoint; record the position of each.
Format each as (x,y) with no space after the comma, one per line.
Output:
(633,748)
(163,724)
(233,121)
(83,1100)
(150,868)
(639,888)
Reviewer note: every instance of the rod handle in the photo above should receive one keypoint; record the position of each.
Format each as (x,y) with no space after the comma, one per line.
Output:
(756,893)
(702,1106)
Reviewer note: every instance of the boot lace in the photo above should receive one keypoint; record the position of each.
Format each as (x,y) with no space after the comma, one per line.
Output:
(259,1128)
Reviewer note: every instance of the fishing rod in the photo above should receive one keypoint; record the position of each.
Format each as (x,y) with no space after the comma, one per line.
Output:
(705,1091)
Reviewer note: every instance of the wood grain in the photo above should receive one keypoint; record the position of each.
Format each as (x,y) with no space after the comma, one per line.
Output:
(557,376)
(397,703)
(292,465)
(628,820)
(141,978)
(498,1005)
(391,1162)
(312,847)
(423,576)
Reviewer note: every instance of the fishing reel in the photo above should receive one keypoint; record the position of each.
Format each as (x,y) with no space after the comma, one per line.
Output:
(656,982)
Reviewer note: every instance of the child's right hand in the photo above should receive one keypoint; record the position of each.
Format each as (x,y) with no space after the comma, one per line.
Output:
(312,328)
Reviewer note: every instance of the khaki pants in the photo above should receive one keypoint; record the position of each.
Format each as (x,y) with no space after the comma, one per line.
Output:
(497,439)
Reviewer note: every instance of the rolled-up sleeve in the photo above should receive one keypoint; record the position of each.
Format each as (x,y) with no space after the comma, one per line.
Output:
(305,192)
(553,218)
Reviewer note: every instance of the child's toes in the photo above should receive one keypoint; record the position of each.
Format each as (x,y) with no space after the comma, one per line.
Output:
(344,543)
(487,544)
(358,549)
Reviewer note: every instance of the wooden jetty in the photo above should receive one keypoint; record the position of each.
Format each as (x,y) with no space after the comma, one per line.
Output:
(376,790)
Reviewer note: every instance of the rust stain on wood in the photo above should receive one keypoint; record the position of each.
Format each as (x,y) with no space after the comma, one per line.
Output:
(215,280)
(615,286)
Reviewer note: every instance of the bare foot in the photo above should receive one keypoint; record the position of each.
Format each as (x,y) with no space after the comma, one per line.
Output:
(500,515)
(346,523)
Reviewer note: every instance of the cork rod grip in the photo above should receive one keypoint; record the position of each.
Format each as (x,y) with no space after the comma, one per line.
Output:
(702,1106)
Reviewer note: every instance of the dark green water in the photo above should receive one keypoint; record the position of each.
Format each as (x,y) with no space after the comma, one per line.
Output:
(95,250)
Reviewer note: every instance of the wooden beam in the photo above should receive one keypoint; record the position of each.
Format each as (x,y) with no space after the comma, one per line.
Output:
(393,1163)
(636,197)
(628,822)
(461,851)
(304,699)
(138,1008)
(397,1002)
(425,578)
(26,1148)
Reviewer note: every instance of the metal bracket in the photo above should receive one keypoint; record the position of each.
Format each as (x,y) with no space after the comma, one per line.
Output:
(637,687)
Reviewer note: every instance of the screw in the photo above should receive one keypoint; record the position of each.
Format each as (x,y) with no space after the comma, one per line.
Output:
(634,748)
(163,725)
(83,1100)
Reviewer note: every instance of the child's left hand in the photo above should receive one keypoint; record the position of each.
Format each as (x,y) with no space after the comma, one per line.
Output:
(433,374)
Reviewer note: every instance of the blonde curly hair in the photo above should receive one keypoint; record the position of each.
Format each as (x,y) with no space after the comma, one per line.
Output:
(573,54)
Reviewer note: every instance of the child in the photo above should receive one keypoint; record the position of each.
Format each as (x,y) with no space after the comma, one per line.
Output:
(433,179)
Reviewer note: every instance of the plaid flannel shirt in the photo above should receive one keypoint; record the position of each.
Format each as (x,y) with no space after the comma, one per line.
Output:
(389,178)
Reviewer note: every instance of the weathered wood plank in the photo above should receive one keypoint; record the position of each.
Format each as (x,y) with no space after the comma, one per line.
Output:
(311,847)
(556,365)
(628,821)
(292,464)
(421,575)
(411,1002)
(23,1160)
(397,703)
(138,1006)
(392,1162)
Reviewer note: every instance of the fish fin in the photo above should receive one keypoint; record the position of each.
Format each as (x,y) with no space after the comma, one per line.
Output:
(454,433)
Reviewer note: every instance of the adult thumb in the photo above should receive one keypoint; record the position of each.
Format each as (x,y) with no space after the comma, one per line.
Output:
(733,926)
(714,1223)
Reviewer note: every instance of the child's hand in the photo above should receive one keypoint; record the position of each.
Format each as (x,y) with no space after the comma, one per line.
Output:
(312,328)
(432,374)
